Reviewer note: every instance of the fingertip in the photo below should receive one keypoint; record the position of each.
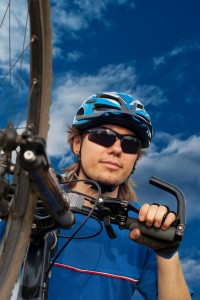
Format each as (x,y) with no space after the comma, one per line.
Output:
(141,218)
(163,228)
(135,234)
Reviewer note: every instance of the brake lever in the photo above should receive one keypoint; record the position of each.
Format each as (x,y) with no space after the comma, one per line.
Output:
(172,233)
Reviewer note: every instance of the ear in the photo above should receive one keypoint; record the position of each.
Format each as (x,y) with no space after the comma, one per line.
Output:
(77,144)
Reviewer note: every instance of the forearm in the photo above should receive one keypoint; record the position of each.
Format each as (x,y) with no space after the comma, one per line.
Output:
(171,282)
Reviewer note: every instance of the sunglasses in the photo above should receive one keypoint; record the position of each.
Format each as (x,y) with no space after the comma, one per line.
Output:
(106,137)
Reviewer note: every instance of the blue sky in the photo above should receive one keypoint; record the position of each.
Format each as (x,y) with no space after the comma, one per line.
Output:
(150,49)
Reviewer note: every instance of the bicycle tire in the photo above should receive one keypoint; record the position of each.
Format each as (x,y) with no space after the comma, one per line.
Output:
(18,228)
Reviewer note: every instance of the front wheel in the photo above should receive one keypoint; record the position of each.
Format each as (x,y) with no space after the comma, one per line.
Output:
(23,196)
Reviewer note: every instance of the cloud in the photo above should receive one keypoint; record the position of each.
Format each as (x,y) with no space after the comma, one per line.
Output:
(18,16)
(77,16)
(74,56)
(191,270)
(151,93)
(176,161)
(87,10)
(12,63)
(183,48)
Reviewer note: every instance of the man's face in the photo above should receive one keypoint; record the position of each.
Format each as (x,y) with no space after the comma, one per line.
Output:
(107,165)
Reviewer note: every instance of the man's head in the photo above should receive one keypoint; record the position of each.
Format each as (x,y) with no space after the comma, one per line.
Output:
(108,134)
(117,109)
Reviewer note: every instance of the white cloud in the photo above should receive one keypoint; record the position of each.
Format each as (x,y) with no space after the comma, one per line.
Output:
(17,25)
(77,16)
(183,48)
(74,56)
(151,93)
(12,63)
(191,270)
(71,18)
(87,10)
(178,163)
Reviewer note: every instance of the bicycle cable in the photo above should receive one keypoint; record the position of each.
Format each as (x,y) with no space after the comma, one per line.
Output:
(79,227)
(85,212)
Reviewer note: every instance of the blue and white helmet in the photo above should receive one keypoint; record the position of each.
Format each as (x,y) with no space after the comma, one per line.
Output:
(115,108)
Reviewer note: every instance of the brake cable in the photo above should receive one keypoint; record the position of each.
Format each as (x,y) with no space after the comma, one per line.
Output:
(79,227)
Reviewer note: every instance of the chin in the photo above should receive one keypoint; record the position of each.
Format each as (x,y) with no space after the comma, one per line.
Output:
(109,182)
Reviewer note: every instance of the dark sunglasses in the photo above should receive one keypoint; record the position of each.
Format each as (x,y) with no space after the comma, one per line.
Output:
(106,137)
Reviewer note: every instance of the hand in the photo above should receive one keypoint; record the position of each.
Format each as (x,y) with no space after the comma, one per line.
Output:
(158,216)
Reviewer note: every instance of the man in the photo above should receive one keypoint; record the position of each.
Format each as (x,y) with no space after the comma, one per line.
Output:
(108,135)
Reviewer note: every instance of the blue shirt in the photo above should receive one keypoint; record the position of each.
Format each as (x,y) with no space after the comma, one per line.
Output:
(102,268)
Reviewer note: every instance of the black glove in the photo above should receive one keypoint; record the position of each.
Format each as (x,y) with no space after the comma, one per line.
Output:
(162,248)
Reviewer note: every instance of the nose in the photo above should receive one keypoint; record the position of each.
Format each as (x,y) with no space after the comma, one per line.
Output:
(116,147)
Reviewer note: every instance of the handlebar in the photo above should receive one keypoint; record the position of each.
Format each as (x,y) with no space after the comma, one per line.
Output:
(167,235)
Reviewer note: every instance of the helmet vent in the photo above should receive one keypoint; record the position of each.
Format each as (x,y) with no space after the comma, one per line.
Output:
(90,101)
(80,112)
(108,96)
(140,106)
(99,107)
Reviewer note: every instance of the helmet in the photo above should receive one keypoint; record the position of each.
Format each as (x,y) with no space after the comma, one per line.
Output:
(118,109)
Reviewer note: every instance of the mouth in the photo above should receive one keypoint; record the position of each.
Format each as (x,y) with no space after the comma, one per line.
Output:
(111,164)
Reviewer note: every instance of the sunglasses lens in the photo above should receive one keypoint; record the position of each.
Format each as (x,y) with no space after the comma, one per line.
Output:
(106,138)
(130,145)
(103,137)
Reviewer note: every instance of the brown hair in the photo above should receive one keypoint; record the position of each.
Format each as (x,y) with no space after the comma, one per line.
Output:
(126,190)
